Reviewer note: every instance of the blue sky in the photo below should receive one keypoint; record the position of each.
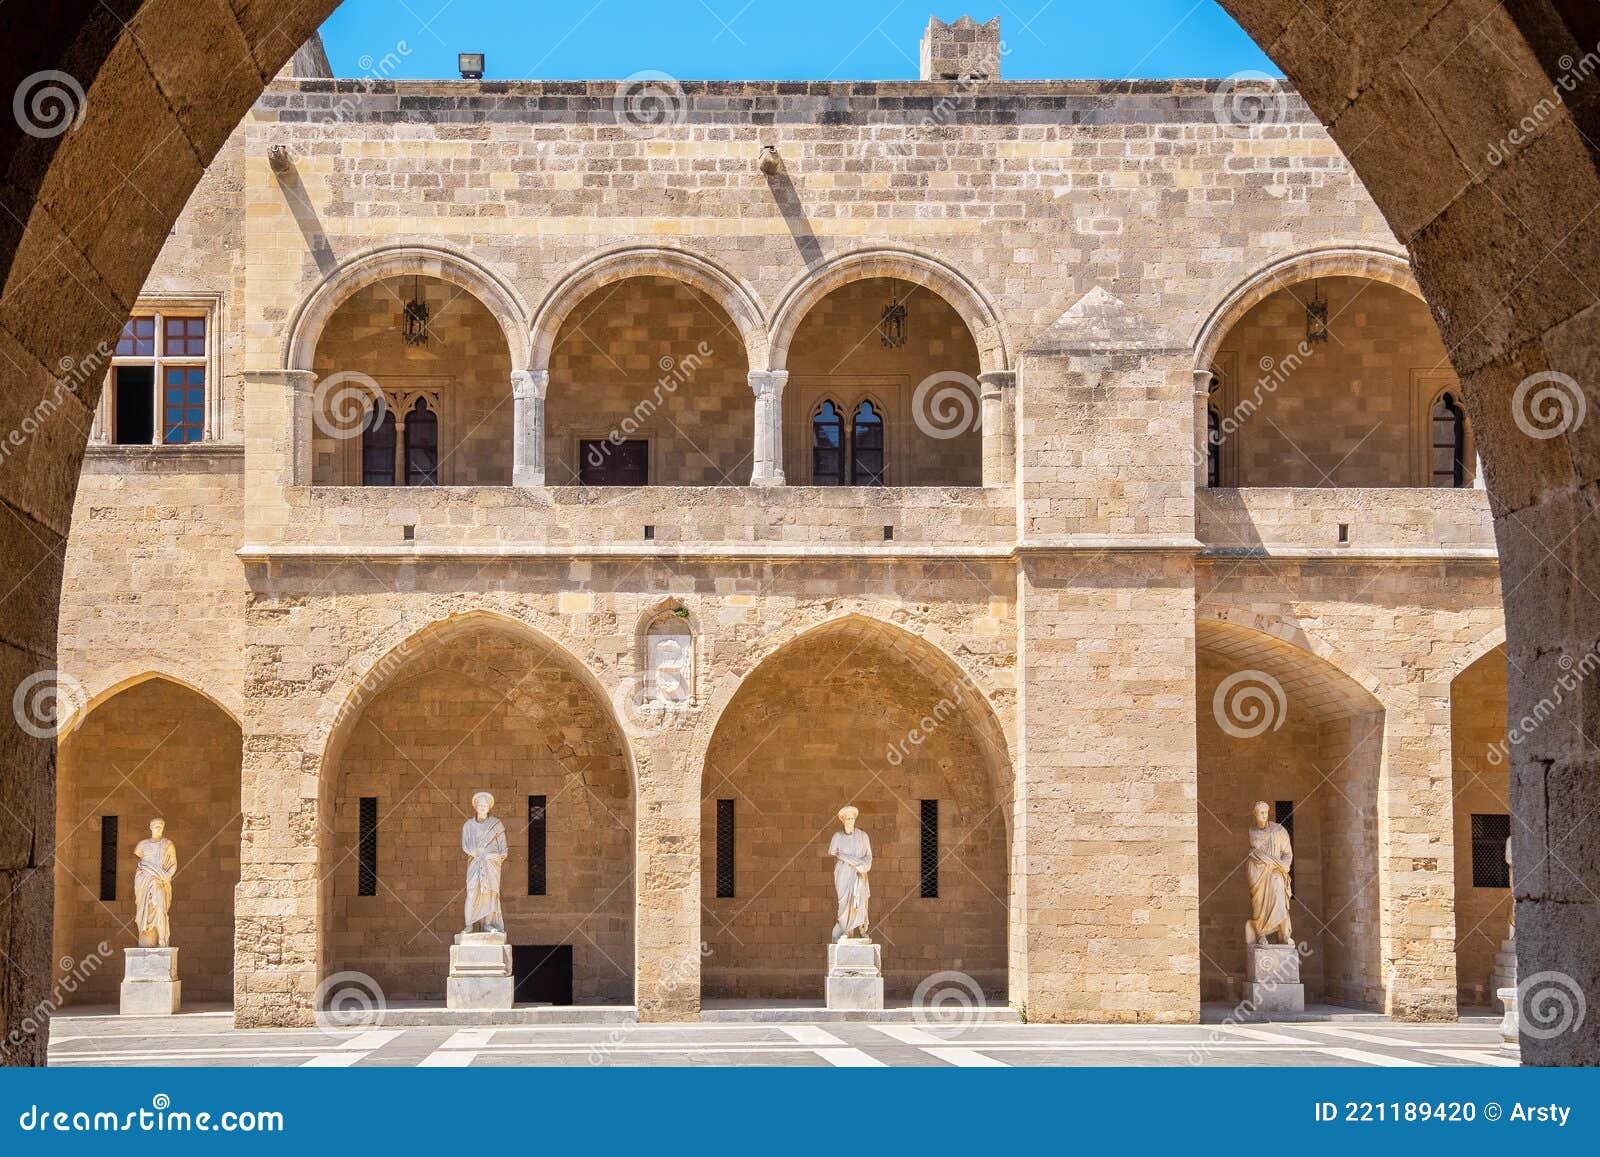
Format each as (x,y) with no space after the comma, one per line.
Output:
(777,39)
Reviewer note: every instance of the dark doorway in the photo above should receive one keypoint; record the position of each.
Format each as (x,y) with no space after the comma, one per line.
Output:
(543,973)
(602,462)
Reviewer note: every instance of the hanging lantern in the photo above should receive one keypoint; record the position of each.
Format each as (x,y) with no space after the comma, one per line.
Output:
(892,327)
(1317,315)
(416,313)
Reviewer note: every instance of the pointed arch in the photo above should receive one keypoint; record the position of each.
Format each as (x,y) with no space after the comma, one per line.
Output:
(733,295)
(1374,263)
(490,290)
(114,680)
(974,306)
(408,652)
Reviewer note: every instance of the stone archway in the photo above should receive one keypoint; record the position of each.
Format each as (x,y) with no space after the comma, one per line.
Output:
(1422,95)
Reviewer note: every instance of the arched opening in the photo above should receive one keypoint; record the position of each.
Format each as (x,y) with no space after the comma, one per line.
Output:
(855,713)
(900,367)
(648,386)
(1281,725)
(411,349)
(155,749)
(467,707)
(1481,791)
(1336,381)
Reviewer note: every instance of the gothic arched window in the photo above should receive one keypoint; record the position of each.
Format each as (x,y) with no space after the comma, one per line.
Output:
(827,446)
(866,446)
(377,447)
(1449,442)
(422,445)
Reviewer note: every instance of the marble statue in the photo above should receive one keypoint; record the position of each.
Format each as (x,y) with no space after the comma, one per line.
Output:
(1268,870)
(483,839)
(152,886)
(853,851)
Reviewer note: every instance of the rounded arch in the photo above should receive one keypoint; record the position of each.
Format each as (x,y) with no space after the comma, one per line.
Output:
(1375,263)
(114,680)
(735,298)
(408,651)
(974,306)
(493,292)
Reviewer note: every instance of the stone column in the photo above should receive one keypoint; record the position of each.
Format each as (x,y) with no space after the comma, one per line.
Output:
(300,386)
(1202,428)
(666,873)
(767,386)
(528,389)
(998,394)
(1416,854)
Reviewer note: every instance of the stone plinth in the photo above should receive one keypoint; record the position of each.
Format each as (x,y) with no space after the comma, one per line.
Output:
(150,984)
(480,972)
(1272,978)
(1504,983)
(855,975)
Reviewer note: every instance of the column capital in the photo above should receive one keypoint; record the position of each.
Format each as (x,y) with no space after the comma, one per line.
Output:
(765,383)
(530,383)
(1202,382)
(998,379)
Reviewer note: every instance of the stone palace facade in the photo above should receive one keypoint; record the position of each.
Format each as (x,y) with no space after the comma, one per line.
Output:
(1052,469)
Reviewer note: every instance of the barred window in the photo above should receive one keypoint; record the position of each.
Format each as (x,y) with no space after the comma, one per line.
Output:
(1489,835)
(724,848)
(108,857)
(367,847)
(536,845)
(930,849)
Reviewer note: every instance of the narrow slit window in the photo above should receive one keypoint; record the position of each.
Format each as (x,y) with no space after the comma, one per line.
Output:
(108,857)
(1213,448)
(930,849)
(367,847)
(724,848)
(537,882)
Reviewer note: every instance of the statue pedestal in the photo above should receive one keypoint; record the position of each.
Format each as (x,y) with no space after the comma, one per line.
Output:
(480,972)
(855,975)
(1272,978)
(1504,983)
(150,984)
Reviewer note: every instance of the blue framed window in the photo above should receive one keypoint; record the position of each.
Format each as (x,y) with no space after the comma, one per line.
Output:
(183,390)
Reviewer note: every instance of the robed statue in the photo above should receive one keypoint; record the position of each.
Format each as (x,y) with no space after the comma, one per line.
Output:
(1268,870)
(152,887)
(853,853)
(483,839)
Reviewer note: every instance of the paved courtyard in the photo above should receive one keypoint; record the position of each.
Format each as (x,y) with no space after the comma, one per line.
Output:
(209,1040)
